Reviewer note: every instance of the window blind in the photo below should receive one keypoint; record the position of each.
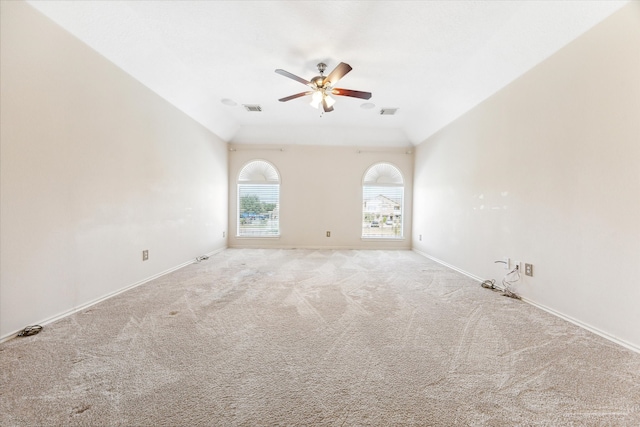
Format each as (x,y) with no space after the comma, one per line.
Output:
(258,210)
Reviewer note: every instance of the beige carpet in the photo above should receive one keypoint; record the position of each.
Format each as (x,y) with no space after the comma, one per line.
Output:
(303,337)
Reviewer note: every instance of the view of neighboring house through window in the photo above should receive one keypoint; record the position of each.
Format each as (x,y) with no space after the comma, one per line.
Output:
(258,200)
(382,202)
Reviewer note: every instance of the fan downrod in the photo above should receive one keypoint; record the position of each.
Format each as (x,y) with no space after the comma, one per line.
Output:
(318,81)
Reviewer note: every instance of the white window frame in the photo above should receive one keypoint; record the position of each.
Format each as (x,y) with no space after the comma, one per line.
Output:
(254,175)
(379,217)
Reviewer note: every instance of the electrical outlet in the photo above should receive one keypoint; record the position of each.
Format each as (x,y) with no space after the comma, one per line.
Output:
(506,262)
(328,234)
(528,269)
(145,255)
(517,264)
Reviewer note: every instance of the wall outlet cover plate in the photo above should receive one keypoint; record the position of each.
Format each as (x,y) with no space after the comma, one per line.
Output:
(528,269)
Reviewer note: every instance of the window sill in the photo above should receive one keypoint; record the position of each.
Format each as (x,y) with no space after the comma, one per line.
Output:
(383,239)
(259,237)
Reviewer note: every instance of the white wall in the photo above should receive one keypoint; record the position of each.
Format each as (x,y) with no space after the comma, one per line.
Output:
(547,171)
(95,168)
(320,191)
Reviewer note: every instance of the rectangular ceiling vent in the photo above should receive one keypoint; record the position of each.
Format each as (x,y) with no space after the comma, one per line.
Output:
(255,108)
(388,111)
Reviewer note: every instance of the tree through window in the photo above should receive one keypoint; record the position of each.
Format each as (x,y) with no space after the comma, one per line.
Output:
(258,200)
(382,202)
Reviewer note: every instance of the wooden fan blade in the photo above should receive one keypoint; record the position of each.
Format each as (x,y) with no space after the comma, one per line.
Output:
(297,95)
(352,93)
(327,109)
(292,76)
(337,73)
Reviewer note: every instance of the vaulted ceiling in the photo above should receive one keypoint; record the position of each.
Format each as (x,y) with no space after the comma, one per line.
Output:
(432,60)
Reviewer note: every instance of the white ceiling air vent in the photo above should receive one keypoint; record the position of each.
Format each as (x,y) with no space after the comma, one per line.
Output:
(255,108)
(388,111)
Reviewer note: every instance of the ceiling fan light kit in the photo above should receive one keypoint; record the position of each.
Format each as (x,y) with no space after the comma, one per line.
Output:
(322,87)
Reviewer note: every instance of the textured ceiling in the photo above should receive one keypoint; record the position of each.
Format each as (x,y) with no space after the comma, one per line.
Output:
(432,60)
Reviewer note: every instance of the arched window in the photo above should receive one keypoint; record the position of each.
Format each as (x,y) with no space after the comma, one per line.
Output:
(382,202)
(258,200)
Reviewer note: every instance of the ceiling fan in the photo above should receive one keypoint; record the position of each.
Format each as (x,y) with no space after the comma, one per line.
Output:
(322,87)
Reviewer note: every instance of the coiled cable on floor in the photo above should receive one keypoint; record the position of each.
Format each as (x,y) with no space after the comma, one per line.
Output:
(507,281)
(30,330)
(489,284)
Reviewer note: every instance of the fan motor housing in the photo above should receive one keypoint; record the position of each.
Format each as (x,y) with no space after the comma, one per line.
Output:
(318,81)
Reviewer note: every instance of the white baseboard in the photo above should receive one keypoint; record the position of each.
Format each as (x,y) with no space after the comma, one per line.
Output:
(453,267)
(569,319)
(319,248)
(105,297)
(584,326)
